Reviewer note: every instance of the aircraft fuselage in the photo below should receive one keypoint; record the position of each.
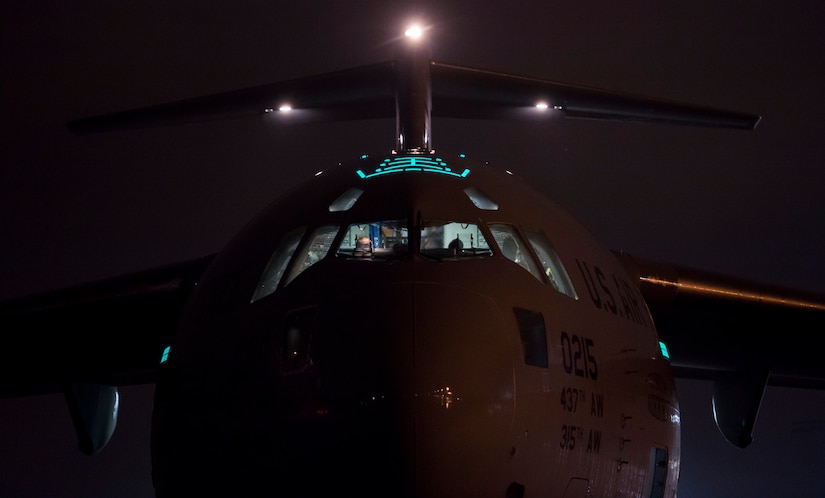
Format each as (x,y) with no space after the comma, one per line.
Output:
(423,325)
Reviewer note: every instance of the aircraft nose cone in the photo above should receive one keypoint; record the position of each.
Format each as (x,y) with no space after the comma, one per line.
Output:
(406,391)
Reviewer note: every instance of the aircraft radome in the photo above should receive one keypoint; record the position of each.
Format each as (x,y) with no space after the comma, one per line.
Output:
(413,322)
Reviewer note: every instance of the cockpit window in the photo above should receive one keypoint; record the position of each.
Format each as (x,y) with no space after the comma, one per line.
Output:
(480,200)
(314,250)
(550,262)
(346,200)
(513,248)
(376,240)
(274,271)
(448,240)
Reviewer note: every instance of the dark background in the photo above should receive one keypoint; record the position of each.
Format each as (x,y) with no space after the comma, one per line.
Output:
(75,209)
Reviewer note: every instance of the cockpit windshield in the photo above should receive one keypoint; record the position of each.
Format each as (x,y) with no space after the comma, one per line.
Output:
(303,247)
(376,240)
(513,248)
(449,240)
(551,263)
(313,250)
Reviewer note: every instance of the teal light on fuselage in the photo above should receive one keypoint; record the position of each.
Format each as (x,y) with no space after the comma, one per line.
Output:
(663,348)
(165,355)
(423,164)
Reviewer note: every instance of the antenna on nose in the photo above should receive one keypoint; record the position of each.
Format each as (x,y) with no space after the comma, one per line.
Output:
(413,94)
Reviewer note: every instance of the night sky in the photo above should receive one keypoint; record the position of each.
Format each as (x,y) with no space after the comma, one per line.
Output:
(79,208)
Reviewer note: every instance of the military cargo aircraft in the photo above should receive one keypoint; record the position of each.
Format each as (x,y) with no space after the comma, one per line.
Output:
(414,322)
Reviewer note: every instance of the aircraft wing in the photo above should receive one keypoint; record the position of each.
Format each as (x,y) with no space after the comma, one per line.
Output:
(713,324)
(111,332)
(740,334)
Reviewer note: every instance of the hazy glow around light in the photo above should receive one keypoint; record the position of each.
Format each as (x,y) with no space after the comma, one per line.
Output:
(415,32)
(541,105)
(285,108)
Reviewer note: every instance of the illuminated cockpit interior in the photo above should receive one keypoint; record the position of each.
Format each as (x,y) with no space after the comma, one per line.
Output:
(438,238)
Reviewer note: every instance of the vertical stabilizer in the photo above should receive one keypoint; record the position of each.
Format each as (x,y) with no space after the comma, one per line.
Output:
(413,96)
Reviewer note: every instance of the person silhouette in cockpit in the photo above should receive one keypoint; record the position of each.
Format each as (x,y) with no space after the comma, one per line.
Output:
(456,246)
(363,247)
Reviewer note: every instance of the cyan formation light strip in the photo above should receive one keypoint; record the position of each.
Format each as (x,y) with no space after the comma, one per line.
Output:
(403,164)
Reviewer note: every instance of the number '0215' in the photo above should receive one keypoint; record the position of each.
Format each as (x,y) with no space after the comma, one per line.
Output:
(577,356)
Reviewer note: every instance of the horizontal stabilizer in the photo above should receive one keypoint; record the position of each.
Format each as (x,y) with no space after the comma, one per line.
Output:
(369,92)
(359,93)
(499,94)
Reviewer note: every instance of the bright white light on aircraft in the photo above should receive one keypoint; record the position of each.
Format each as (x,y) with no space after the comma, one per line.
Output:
(541,105)
(285,108)
(415,32)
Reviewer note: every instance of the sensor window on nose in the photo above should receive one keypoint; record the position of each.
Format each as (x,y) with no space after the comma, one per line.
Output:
(299,327)
(533,336)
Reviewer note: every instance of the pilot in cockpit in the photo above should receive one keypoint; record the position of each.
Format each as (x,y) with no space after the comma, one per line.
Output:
(456,246)
(363,247)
